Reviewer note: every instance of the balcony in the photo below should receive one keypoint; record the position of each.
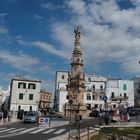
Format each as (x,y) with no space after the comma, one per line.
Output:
(98,91)
(119,98)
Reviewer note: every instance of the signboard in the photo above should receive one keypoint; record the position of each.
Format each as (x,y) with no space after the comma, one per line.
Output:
(104,98)
(44,122)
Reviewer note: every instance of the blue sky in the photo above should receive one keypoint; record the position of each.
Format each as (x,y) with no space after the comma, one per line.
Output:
(37,38)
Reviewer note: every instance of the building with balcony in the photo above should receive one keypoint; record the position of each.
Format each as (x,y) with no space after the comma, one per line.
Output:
(120,92)
(24,94)
(95,91)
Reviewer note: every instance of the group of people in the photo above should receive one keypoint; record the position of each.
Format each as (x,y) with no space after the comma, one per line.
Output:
(3,116)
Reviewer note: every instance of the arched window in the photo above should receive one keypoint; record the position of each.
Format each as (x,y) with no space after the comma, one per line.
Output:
(93,87)
(93,97)
(112,94)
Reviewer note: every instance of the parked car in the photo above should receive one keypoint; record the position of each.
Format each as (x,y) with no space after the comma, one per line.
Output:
(52,111)
(94,113)
(31,117)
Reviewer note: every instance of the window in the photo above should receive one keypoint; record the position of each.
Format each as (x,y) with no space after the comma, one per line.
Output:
(31,108)
(30,96)
(101,87)
(19,107)
(31,86)
(93,87)
(88,97)
(22,85)
(93,97)
(114,106)
(124,87)
(125,95)
(112,95)
(63,77)
(101,97)
(21,96)
(67,97)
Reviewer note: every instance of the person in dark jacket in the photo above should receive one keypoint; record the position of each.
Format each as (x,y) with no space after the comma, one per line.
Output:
(5,114)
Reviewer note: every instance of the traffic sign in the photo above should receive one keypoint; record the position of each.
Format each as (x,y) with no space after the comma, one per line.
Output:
(44,122)
(104,98)
(41,120)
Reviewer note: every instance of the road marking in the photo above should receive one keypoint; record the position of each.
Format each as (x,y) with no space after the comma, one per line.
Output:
(59,131)
(13,131)
(36,131)
(27,130)
(2,128)
(48,131)
(6,130)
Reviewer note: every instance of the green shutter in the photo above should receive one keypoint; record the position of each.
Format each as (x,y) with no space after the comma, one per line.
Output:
(124,87)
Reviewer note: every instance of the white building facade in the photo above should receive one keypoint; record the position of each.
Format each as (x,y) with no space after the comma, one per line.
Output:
(95,91)
(24,94)
(96,88)
(60,97)
(120,93)
(137,91)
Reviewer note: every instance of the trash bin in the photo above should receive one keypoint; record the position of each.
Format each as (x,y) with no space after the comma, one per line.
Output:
(20,114)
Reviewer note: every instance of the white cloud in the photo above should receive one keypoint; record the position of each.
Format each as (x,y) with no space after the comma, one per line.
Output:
(48,48)
(108,33)
(77,6)
(135,2)
(64,34)
(20,61)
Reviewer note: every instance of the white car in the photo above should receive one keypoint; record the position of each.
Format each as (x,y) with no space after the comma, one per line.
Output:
(31,117)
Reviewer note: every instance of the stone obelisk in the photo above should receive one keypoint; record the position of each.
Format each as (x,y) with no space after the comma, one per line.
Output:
(76,82)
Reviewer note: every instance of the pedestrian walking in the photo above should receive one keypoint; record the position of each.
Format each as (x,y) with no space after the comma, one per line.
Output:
(5,113)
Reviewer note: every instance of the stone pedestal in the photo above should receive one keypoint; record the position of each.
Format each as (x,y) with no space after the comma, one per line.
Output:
(71,110)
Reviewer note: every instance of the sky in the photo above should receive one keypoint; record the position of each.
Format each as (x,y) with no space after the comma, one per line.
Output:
(37,38)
